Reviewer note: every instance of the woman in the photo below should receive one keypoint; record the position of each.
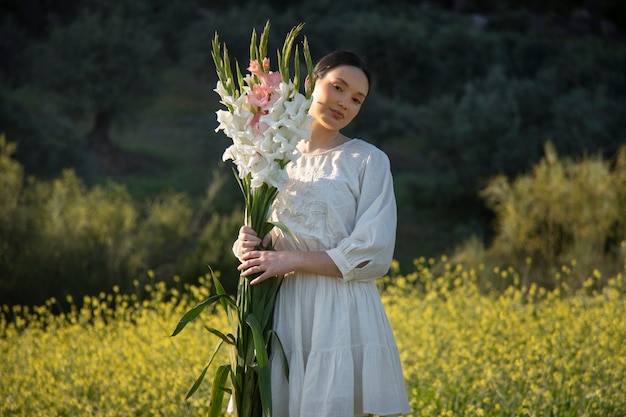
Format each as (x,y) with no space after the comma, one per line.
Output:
(339,202)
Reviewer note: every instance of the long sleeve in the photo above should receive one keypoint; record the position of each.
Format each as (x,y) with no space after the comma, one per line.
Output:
(372,241)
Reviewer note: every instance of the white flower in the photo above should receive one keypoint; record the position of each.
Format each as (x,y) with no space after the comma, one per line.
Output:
(262,150)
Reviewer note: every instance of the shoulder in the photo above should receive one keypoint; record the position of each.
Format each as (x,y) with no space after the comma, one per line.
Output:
(367,152)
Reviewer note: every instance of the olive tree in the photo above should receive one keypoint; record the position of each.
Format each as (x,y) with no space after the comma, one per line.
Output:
(100,66)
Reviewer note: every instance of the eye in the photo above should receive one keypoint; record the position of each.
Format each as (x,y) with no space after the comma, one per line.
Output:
(356,101)
(337,87)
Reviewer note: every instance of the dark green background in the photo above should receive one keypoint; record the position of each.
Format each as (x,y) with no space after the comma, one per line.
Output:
(463,90)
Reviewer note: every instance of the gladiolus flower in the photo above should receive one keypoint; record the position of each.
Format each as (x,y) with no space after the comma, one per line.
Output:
(255,68)
(260,96)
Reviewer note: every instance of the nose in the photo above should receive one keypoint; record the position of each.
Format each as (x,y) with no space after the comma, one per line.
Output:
(342,104)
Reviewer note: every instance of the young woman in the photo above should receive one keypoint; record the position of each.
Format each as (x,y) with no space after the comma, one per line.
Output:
(342,356)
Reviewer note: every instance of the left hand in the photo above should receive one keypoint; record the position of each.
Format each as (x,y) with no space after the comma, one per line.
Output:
(267,263)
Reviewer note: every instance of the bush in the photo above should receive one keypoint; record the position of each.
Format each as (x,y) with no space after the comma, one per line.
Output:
(59,237)
(564,212)
(47,143)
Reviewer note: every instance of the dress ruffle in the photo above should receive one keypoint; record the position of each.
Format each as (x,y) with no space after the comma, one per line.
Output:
(342,356)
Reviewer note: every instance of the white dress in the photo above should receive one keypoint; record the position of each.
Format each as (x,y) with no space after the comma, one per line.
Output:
(342,356)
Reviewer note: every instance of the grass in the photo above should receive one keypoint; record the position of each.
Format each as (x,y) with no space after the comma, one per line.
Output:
(523,352)
(177,131)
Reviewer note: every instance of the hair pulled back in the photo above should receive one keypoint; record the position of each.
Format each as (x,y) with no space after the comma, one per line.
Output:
(337,59)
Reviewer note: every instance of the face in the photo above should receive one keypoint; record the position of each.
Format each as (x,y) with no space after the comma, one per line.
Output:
(338,97)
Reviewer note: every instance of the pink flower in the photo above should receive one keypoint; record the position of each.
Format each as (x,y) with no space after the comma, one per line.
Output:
(260,95)
(257,126)
(255,119)
(255,68)
(268,78)
(271,79)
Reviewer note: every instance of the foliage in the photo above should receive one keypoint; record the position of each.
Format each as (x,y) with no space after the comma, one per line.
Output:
(100,65)
(197,39)
(106,354)
(13,51)
(465,101)
(498,126)
(526,351)
(46,142)
(475,101)
(562,210)
(80,240)
(522,352)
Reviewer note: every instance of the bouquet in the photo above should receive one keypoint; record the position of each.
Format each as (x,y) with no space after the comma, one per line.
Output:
(265,116)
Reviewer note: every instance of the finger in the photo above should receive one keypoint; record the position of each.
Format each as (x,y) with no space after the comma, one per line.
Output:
(249,269)
(246,264)
(247,256)
(246,230)
(245,237)
(244,250)
(249,241)
(259,279)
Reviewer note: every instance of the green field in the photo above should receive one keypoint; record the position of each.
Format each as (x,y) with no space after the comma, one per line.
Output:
(525,352)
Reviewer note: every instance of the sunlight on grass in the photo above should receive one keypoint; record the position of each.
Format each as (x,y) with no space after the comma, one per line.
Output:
(519,353)
(177,131)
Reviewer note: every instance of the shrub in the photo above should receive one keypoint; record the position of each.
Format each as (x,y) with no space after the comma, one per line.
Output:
(47,143)
(59,237)
(563,211)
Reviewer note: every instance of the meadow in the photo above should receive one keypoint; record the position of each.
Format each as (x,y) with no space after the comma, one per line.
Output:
(466,351)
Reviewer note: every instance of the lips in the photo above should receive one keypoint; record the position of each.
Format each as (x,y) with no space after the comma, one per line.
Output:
(337,114)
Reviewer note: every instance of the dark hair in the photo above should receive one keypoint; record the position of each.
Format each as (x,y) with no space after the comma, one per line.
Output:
(338,59)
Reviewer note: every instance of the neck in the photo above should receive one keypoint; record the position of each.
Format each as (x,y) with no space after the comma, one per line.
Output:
(323,140)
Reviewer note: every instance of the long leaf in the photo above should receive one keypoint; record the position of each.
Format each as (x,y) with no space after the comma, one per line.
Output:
(240,81)
(285,56)
(296,75)
(262,369)
(236,378)
(254,51)
(286,230)
(263,40)
(217,391)
(264,311)
(196,384)
(244,186)
(195,312)
(230,339)
(228,307)
(283,354)
(308,89)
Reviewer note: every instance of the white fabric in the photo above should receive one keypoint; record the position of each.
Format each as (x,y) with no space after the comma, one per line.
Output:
(342,356)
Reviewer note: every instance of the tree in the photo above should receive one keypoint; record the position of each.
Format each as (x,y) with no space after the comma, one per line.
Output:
(101,65)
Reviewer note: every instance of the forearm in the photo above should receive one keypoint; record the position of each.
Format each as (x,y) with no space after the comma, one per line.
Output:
(269,263)
(315,263)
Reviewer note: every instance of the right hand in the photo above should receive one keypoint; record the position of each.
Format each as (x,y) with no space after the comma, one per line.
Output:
(248,240)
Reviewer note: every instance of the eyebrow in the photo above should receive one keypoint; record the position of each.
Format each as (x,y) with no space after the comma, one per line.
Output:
(341,80)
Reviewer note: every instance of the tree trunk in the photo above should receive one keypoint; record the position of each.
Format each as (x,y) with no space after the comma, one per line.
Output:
(98,138)
(106,157)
